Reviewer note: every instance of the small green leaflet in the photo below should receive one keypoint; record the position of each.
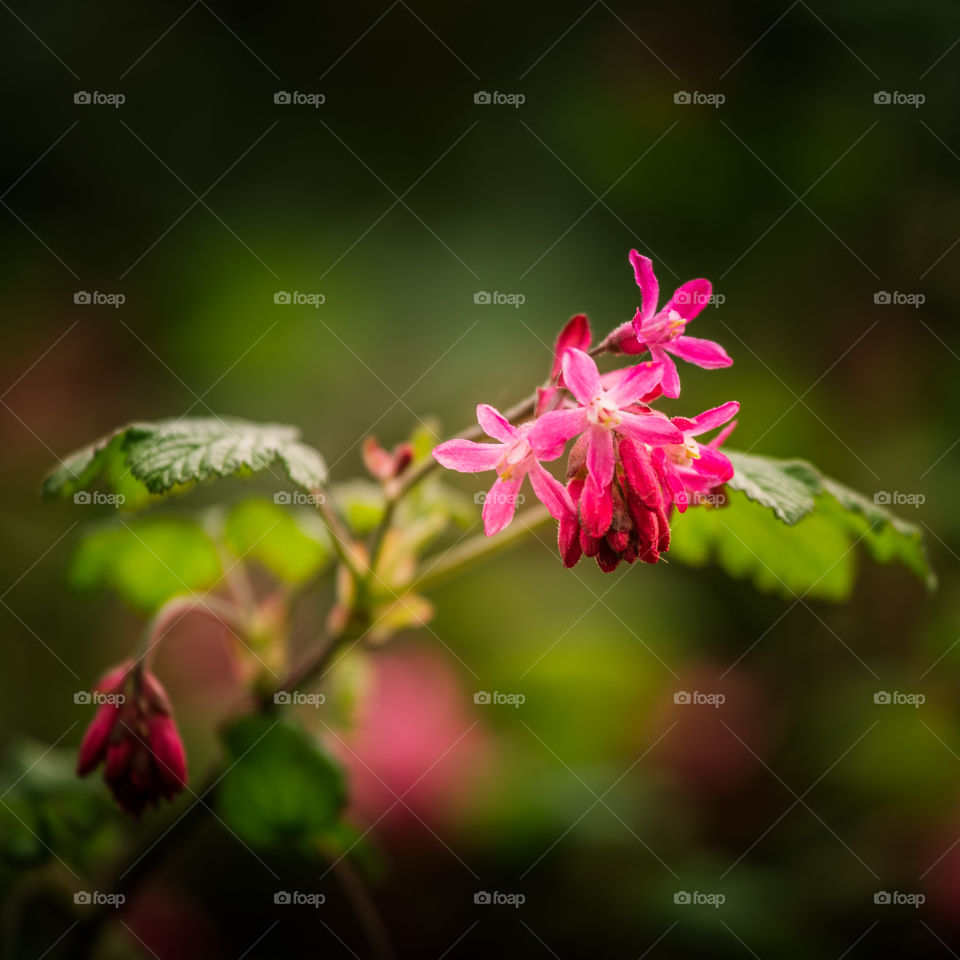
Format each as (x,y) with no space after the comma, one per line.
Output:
(806,545)
(169,453)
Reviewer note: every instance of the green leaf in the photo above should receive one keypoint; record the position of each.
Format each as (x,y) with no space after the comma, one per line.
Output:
(292,545)
(170,453)
(786,486)
(281,787)
(814,555)
(146,561)
(362,503)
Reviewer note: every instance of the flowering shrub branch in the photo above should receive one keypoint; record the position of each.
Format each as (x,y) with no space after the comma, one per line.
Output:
(632,472)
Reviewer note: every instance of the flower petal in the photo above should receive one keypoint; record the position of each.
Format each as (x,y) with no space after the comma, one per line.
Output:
(575,335)
(551,492)
(718,440)
(494,423)
(703,353)
(635,383)
(690,298)
(581,376)
(467,456)
(93,749)
(714,417)
(647,282)
(649,428)
(600,458)
(670,380)
(596,510)
(500,504)
(550,432)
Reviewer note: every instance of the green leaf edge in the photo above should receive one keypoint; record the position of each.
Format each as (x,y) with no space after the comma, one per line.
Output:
(303,464)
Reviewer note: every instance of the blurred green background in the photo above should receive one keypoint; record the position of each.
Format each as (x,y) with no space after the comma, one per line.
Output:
(599,799)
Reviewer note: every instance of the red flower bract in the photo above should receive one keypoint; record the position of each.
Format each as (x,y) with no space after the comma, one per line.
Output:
(135,737)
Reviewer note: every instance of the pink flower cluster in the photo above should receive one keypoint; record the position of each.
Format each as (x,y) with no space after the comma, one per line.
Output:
(630,464)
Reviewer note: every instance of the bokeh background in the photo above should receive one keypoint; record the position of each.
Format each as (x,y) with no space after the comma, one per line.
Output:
(399,199)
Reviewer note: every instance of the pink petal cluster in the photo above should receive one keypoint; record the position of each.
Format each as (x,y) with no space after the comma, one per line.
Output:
(134,735)
(630,463)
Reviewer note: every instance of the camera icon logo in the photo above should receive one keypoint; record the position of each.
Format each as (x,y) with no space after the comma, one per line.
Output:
(82,897)
(282,896)
(882,896)
(481,296)
(681,896)
(681,96)
(681,696)
(482,897)
(482,696)
(282,96)
(882,696)
(882,297)
(281,496)
(481,96)
(881,497)
(82,96)
(82,696)
(282,696)
(281,296)
(82,297)
(882,96)
(81,496)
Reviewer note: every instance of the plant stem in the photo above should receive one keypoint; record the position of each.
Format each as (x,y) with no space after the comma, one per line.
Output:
(216,608)
(478,548)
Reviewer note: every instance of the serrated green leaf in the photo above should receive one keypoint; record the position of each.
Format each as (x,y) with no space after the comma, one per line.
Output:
(281,787)
(171,453)
(786,486)
(814,556)
(284,541)
(146,561)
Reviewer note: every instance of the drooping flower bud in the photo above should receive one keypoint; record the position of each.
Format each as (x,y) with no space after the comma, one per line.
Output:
(135,737)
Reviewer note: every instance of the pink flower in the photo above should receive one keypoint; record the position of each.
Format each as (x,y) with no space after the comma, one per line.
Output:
(514,457)
(662,332)
(603,411)
(690,470)
(134,735)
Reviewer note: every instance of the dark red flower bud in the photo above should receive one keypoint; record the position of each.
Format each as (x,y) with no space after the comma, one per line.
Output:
(136,739)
